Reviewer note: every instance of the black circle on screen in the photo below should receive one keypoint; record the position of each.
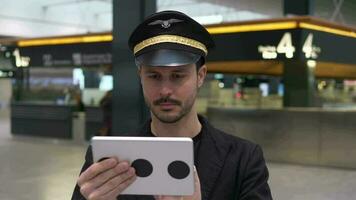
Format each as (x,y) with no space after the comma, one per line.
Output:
(178,169)
(142,167)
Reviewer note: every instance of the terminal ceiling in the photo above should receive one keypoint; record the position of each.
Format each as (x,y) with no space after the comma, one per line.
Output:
(41,18)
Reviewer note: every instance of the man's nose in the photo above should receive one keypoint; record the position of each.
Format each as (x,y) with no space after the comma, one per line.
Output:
(166,90)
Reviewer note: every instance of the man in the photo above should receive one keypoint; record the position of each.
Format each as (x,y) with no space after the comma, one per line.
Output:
(170,49)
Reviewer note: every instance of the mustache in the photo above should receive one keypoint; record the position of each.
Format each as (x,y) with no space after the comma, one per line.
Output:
(166,100)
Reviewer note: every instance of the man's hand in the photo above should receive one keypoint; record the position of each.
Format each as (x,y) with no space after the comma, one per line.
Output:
(195,196)
(105,180)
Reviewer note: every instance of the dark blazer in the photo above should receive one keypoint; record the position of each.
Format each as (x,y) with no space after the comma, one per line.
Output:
(229,168)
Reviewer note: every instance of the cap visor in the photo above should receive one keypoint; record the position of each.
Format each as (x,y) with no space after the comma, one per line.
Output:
(167,57)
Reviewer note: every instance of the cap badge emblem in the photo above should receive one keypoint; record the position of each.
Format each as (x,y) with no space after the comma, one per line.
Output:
(165,23)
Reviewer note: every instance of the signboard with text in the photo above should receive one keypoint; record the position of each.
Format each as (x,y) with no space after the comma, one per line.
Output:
(298,44)
(71,55)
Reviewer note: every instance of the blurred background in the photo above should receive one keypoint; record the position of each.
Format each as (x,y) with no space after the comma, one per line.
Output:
(283,75)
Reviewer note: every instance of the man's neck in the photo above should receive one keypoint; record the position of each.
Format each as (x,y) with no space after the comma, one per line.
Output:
(188,126)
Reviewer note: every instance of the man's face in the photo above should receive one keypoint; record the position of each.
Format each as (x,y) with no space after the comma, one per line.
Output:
(170,92)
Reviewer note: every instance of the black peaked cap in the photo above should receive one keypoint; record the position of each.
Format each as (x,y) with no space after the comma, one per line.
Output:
(169,38)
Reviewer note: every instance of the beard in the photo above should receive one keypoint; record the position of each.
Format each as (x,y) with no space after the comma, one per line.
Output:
(171,116)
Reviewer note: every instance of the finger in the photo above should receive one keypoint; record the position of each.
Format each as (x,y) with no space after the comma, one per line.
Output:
(117,191)
(96,169)
(159,197)
(99,180)
(197,189)
(196,179)
(117,181)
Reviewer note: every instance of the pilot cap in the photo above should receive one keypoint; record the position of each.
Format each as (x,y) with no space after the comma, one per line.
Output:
(169,38)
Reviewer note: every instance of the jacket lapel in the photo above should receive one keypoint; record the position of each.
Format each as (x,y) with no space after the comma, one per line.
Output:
(211,158)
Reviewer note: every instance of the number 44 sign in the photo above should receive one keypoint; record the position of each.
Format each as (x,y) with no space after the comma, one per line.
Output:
(285,46)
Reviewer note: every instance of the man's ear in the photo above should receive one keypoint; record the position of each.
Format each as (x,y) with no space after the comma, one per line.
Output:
(201,75)
(139,71)
(139,74)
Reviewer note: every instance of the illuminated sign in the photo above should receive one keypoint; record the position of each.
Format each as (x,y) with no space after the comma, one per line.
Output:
(297,39)
(6,74)
(285,46)
(6,58)
(310,50)
(77,59)
(21,61)
(65,40)
(68,55)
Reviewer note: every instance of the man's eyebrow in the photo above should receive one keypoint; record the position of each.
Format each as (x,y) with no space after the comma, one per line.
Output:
(181,69)
(150,71)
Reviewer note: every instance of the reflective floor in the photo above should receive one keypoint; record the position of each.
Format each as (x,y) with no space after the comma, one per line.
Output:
(42,169)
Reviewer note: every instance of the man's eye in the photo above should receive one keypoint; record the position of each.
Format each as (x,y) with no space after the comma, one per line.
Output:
(153,76)
(177,76)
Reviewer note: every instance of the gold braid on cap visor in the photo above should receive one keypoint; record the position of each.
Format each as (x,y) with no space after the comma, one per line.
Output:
(170,39)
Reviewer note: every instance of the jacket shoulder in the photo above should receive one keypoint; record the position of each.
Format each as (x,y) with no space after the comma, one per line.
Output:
(235,141)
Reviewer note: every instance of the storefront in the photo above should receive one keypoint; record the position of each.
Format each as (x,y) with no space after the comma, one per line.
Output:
(61,77)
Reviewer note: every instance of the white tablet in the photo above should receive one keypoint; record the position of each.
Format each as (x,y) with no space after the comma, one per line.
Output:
(164,165)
